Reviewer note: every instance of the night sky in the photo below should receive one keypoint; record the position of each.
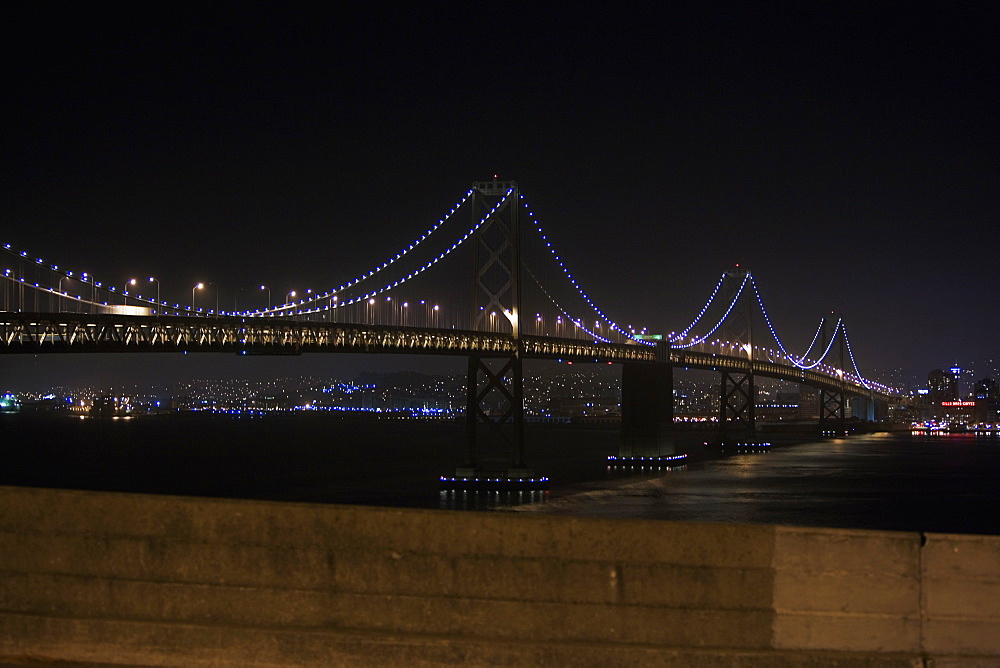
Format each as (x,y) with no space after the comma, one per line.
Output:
(848,157)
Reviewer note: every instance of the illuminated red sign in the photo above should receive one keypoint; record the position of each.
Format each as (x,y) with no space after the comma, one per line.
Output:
(958,403)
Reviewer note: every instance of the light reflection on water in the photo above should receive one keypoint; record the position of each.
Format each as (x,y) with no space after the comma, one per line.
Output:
(461,499)
(947,483)
(881,481)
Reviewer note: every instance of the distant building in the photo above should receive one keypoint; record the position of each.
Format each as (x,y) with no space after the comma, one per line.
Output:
(808,403)
(987,398)
(987,389)
(942,386)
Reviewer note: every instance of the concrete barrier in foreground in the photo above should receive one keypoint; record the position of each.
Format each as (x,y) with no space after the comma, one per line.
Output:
(94,577)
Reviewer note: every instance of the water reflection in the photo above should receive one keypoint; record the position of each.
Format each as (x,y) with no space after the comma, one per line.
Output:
(462,499)
(882,481)
(625,470)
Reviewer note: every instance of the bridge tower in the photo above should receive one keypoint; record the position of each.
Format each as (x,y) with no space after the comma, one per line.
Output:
(738,391)
(833,403)
(495,389)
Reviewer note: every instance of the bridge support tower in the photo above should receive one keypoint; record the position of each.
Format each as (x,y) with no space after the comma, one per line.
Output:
(738,390)
(495,389)
(833,402)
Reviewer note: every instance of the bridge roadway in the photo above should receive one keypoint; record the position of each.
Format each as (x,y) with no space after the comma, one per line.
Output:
(109,333)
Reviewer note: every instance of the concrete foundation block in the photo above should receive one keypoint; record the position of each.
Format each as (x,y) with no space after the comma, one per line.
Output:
(95,577)
(695,587)
(967,597)
(963,636)
(846,551)
(38,640)
(847,593)
(858,633)
(951,556)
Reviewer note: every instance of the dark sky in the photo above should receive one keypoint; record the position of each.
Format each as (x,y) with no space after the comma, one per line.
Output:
(849,157)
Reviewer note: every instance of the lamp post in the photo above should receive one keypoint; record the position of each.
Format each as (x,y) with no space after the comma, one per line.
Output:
(216,296)
(153,280)
(264,287)
(200,286)
(61,292)
(125,291)
(85,277)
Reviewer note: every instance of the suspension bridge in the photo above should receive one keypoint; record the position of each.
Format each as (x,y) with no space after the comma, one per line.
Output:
(493,289)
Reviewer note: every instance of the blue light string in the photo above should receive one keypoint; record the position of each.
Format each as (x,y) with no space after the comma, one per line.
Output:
(797,361)
(704,308)
(861,379)
(83,277)
(372,272)
(562,265)
(573,320)
(428,265)
(732,304)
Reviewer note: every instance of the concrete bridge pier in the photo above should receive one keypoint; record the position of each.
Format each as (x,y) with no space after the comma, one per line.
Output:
(875,409)
(862,408)
(647,410)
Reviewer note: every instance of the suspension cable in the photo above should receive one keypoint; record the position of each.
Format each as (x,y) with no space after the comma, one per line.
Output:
(732,304)
(562,265)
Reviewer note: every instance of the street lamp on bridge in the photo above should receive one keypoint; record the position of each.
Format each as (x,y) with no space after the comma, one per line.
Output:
(125,291)
(153,280)
(61,292)
(200,286)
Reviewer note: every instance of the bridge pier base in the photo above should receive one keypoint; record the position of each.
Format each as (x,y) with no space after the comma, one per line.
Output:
(495,398)
(832,406)
(647,410)
(737,400)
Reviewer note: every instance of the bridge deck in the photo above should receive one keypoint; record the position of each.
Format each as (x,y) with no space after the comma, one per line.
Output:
(106,333)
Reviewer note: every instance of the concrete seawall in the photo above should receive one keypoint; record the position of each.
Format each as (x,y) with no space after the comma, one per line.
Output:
(94,577)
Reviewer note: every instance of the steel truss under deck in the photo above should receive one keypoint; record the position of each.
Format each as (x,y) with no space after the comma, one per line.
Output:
(105,333)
